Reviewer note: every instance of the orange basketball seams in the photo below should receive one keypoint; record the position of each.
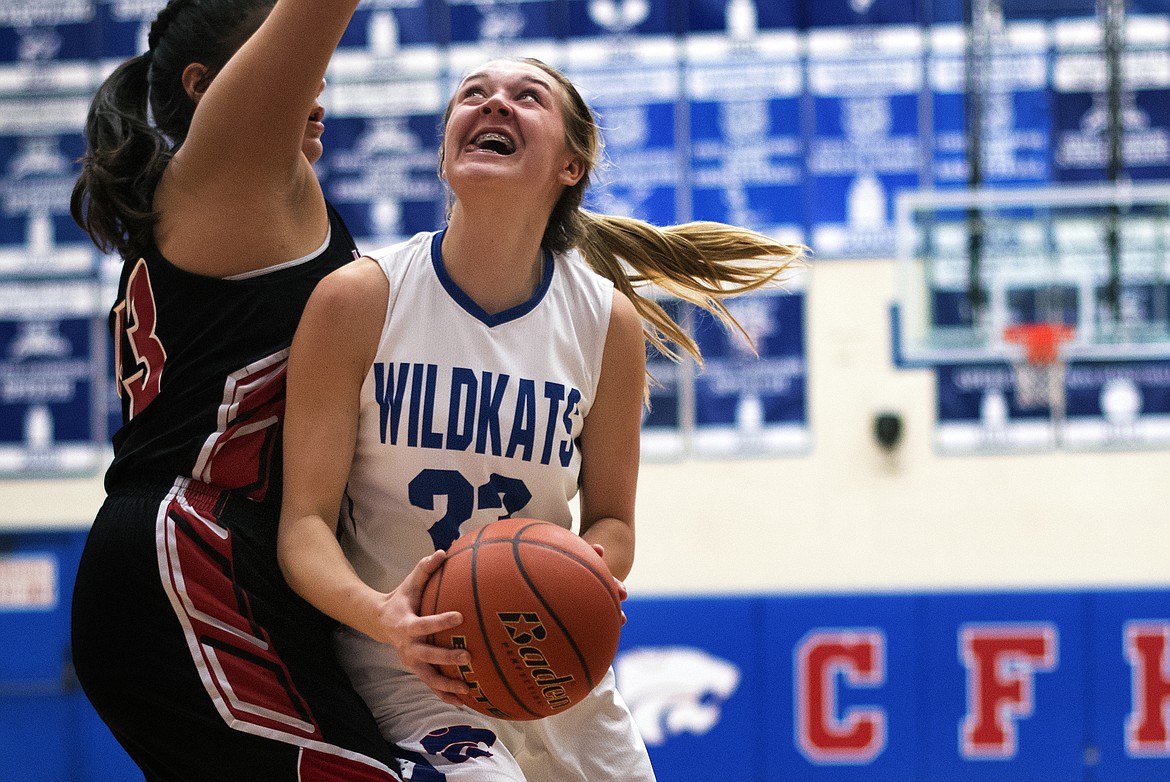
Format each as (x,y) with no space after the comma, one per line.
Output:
(541,617)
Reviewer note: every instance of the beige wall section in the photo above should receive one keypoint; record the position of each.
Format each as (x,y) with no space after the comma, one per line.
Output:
(49,505)
(846,516)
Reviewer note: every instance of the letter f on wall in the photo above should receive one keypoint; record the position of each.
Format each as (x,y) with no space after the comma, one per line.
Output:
(1001,663)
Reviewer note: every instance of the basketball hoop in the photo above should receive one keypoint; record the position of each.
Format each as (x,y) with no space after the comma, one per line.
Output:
(1039,372)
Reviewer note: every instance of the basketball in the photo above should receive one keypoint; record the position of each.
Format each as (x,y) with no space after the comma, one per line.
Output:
(541,617)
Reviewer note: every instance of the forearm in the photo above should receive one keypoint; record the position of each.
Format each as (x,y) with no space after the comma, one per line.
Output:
(617,538)
(316,568)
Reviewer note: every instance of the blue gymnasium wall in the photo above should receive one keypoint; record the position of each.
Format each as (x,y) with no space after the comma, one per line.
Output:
(995,687)
(800,118)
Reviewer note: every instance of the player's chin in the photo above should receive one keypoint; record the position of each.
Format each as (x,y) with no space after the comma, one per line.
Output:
(313,149)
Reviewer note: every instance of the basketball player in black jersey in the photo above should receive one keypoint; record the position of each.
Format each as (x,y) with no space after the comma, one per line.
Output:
(185,637)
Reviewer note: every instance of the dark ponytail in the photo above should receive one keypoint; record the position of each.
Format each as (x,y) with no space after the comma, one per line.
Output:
(128,145)
(125,156)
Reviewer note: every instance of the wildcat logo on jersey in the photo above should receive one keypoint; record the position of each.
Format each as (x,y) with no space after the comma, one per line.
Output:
(459,409)
(673,690)
(459,743)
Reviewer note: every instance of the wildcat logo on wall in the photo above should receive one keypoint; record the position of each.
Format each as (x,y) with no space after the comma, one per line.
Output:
(674,689)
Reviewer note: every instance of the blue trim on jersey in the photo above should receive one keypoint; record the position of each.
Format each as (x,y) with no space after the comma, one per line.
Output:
(468,304)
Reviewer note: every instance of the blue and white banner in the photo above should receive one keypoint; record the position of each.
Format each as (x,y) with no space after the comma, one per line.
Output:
(381,168)
(740,19)
(37,234)
(494,24)
(45,30)
(618,20)
(864,88)
(1080,94)
(52,378)
(751,394)
(634,87)
(747,150)
(668,420)
(1108,405)
(53,372)
(1014,146)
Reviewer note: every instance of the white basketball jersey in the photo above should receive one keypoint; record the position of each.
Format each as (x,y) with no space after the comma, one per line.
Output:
(468,417)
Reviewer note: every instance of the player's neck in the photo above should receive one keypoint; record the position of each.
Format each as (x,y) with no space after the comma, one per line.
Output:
(498,264)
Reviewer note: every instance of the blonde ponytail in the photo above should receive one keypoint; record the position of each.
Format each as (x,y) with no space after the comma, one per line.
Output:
(702,263)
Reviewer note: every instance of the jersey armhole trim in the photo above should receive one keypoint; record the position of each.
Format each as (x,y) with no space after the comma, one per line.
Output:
(287,264)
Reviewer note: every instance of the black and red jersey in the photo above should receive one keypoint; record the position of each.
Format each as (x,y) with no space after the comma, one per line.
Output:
(200,366)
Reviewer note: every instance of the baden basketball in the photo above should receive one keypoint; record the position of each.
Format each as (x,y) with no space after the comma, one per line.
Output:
(541,617)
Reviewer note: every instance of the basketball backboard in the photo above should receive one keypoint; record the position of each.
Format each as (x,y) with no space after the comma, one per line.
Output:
(971,264)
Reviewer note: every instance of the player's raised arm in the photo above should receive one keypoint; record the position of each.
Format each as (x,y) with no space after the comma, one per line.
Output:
(245,163)
(251,117)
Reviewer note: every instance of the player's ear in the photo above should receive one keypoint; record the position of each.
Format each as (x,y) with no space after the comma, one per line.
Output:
(572,171)
(196,78)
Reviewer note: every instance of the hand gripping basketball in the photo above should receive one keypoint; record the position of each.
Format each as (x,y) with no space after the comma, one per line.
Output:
(541,617)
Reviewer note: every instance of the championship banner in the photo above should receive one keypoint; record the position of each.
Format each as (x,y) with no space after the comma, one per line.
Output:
(864,13)
(52,343)
(751,398)
(1015,125)
(383,102)
(1081,112)
(622,20)
(43,30)
(633,85)
(747,161)
(740,19)
(494,25)
(864,87)
(1108,405)
(52,401)
(668,419)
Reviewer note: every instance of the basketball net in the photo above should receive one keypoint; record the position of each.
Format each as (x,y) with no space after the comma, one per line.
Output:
(1039,371)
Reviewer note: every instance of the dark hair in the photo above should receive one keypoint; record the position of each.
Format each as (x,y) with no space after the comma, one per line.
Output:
(141,115)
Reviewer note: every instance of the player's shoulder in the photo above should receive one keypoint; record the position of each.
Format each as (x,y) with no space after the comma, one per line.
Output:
(573,264)
(590,293)
(350,290)
(624,318)
(391,253)
(344,315)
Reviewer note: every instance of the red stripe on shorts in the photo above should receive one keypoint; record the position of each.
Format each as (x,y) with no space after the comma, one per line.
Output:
(243,673)
(246,680)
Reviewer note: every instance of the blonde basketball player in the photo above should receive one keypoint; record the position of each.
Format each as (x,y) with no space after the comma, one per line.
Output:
(494,368)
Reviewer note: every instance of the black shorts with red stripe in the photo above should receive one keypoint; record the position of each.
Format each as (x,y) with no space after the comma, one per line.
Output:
(198,656)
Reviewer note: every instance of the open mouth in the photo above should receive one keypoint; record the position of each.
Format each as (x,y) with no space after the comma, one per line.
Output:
(496,143)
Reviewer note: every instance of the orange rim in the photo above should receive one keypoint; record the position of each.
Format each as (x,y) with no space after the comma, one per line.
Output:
(1041,341)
